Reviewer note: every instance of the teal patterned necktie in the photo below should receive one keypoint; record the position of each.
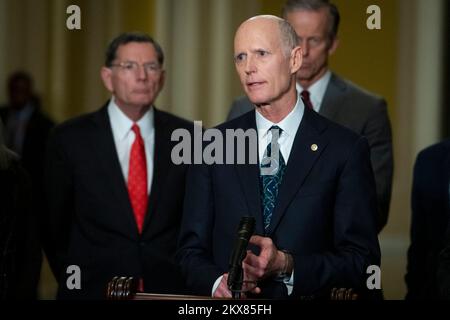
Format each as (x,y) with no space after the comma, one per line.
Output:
(272,171)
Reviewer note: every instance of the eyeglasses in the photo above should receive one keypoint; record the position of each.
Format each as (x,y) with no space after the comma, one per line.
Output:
(133,67)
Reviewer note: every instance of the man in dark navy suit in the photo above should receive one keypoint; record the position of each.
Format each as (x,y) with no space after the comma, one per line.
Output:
(316,23)
(315,212)
(115,197)
(430,217)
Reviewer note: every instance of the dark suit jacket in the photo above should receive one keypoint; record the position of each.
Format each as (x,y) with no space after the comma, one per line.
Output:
(32,160)
(325,212)
(20,257)
(443,268)
(430,216)
(91,222)
(365,114)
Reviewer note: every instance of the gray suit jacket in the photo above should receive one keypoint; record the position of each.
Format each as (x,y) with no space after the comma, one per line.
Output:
(364,113)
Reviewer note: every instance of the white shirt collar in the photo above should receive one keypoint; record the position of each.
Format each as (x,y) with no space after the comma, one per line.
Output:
(289,124)
(317,90)
(121,124)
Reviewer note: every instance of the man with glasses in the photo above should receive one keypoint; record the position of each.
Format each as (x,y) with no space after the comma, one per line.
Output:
(316,23)
(114,196)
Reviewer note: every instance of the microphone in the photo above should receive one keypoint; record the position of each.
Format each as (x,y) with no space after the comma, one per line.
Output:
(235,273)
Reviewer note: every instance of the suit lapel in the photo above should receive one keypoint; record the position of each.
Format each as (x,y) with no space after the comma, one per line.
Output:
(301,160)
(161,160)
(248,175)
(106,155)
(333,98)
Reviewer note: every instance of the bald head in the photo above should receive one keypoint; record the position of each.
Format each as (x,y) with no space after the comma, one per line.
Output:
(273,24)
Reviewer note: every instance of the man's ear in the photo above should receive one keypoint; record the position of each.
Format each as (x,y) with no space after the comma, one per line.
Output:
(333,46)
(296,59)
(106,74)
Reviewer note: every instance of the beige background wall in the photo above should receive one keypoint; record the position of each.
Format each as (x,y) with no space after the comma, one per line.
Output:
(197,36)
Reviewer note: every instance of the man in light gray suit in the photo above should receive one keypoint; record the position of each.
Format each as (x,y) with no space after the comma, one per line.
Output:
(316,24)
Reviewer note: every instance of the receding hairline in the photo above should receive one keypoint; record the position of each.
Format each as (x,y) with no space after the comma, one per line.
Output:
(131,37)
(287,36)
(260,18)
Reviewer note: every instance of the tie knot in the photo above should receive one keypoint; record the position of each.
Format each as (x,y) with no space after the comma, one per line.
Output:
(276,132)
(136,129)
(276,128)
(305,94)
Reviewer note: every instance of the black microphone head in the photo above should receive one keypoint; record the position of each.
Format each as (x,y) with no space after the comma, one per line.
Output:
(246,227)
(245,231)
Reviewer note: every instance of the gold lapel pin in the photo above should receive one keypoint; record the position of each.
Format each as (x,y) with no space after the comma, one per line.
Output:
(314,147)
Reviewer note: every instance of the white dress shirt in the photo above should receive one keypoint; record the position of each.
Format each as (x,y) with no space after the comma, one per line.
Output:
(124,138)
(289,125)
(317,90)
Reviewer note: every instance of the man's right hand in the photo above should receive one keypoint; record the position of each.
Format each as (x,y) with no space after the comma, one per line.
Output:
(222,290)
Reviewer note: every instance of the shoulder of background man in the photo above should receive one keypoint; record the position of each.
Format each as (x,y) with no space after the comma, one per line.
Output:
(240,106)
(357,99)
(434,156)
(171,122)
(82,124)
(242,102)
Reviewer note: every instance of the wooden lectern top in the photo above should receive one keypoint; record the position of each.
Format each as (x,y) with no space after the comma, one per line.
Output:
(124,288)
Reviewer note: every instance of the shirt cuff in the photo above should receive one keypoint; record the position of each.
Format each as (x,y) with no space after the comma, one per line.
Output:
(216,284)
(289,282)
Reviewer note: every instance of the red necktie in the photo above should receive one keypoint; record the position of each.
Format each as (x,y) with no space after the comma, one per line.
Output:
(137,178)
(306,99)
